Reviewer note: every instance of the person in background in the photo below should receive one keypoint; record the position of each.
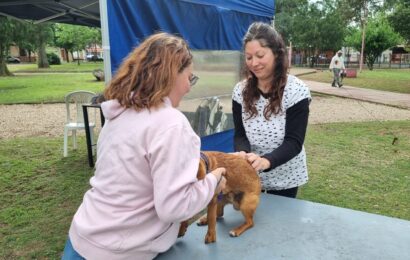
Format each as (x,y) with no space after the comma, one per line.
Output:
(145,180)
(337,65)
(270,111)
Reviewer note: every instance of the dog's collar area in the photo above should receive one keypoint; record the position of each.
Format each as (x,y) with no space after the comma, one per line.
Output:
(206,161)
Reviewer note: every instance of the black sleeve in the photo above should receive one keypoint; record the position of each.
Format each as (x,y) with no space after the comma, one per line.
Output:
(295,130)
(240,141)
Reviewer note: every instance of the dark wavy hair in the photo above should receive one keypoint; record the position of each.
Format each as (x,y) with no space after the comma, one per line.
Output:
(149,72)
(268,37)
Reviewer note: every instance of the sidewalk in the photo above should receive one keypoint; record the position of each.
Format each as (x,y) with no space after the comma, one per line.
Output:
(375,96)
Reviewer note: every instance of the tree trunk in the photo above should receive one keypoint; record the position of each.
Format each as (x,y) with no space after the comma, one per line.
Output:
(42,62)
(364,21)
(78,58)
(370,59)
(4,71)
(66,55)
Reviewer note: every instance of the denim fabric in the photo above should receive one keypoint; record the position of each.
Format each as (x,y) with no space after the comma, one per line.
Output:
(336,77)
(70,253)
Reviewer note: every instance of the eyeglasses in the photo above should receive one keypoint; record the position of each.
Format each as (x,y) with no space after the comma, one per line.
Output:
(193,80)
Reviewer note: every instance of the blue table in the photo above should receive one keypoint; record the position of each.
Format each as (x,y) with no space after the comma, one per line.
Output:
(296,229)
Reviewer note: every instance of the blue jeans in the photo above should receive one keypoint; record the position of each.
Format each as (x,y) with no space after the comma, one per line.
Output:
(336,77)
(70,253)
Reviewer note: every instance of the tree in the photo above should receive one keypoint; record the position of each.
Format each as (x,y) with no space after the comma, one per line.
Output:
(24,33)
(312,27)
(75,37)
(95,38)
(286,13)
(359,11)
(42,34)
(64,40)
(27,42)
(320,26)
(10,32)
(400,19)
(332,27)
(379,37)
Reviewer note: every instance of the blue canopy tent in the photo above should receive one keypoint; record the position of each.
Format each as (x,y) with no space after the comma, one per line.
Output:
(222,141)
(205,24)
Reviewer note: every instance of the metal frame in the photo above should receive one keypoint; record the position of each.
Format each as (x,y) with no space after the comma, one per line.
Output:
(65,11)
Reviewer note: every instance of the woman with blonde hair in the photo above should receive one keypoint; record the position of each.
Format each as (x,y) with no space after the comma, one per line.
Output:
(147,160)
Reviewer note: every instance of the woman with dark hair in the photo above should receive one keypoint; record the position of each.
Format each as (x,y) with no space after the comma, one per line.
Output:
(145,181)
(270,111)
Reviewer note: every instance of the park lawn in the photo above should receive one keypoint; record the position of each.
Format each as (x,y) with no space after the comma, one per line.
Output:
(63,67)
(51,88)
(352,165)
(45,88)
(394,80)
(39,192)
(355,165)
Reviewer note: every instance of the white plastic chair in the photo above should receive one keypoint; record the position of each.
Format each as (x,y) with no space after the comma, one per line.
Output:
(75,121)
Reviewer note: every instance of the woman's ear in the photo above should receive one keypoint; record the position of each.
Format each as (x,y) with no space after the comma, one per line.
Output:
(201,170)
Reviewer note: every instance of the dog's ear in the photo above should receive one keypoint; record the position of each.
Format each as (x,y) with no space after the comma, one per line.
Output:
(201,170)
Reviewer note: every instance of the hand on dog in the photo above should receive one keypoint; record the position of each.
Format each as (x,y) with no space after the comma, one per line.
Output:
(241,154)
(257,162)
(219,174)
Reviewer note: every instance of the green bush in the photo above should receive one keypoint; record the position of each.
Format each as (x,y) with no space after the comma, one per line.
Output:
(53,59)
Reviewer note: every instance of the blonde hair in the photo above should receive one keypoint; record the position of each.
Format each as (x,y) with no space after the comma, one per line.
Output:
(149,72)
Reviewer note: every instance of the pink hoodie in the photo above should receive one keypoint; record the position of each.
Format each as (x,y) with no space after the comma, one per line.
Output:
(144,185)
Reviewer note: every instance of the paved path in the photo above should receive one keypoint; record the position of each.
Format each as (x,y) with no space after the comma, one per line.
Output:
(376,96)
(370,95)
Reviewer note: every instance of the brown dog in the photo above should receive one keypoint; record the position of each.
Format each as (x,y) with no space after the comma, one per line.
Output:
(242,190)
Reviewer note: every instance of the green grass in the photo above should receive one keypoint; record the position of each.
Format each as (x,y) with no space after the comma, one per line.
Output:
(64,67)
(395,80)
(40,191)
(40,88)
(50,88)
(355,165)
(352,165)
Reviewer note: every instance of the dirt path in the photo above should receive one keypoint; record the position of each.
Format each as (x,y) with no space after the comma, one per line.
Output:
(49,119)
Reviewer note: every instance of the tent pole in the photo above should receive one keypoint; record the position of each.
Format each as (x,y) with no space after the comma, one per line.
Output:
(273,17)
(105,41)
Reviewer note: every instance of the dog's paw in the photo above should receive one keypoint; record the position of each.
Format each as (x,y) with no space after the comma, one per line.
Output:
(232,233)
(210,238)
(202,221)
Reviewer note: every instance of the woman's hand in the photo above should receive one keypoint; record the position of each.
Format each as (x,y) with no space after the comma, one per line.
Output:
(257,162)
(219,174)
(241,154)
